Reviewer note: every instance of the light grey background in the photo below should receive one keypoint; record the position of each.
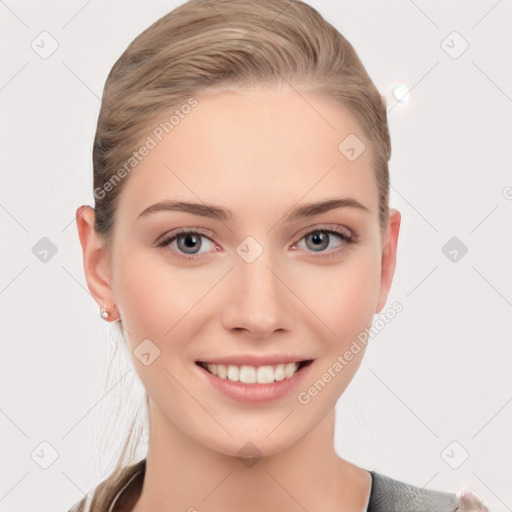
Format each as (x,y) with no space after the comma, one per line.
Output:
(435,385)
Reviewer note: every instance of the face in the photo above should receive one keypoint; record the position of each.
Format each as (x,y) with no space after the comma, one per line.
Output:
(253,282)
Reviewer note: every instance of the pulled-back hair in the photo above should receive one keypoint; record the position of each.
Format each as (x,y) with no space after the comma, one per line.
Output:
(215,45)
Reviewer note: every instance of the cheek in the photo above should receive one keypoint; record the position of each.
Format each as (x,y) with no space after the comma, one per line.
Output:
(151,301)
(163,302)
(345,297)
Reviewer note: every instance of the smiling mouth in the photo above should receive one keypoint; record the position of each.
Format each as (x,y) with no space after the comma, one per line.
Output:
(248,374)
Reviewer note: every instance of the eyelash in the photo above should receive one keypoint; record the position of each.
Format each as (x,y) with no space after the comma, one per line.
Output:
(347,239)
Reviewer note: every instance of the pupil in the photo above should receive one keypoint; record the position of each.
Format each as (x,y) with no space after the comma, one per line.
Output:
(318,239)
(189,241)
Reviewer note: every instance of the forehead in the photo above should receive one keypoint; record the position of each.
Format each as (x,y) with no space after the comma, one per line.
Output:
(259,146)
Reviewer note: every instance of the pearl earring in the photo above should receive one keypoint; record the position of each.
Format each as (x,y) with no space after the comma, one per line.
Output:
(104,313)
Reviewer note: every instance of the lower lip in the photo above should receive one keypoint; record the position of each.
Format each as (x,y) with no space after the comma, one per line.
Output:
(254,393)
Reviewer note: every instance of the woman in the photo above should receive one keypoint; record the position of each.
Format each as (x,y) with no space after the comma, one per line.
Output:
(242,240)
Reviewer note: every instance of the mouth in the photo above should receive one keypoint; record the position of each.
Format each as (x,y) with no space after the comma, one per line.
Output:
(247,374)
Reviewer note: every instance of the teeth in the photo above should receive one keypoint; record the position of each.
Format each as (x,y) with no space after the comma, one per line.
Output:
(222,371)
(233,372)
(253,374)
(248,374)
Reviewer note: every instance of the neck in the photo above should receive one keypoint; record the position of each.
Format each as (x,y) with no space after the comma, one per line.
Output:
(183,474)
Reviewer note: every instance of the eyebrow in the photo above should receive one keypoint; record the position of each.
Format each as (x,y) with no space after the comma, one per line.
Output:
(218,213)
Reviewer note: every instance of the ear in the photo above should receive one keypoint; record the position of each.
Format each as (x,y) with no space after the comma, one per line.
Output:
(96,261)
(388,257)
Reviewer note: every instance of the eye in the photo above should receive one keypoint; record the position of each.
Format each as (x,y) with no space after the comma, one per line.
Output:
(186,243)
(320,239)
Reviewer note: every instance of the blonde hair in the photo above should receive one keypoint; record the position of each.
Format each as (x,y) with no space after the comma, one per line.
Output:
(222,44)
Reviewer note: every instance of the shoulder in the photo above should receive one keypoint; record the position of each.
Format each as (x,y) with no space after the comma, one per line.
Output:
(388,494)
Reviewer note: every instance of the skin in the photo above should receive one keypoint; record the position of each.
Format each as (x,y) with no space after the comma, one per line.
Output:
(259,153)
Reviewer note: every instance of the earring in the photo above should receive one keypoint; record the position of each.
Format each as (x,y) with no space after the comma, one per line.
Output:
(104,313)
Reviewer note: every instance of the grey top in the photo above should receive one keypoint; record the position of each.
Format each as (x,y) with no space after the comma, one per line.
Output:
(389,495)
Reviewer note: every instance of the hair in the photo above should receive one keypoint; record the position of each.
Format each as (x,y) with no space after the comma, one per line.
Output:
(220,44)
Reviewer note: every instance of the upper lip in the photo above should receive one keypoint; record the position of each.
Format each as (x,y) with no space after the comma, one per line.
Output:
(252,360)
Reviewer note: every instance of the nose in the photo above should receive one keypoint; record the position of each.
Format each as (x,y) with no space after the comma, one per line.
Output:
(259,301)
